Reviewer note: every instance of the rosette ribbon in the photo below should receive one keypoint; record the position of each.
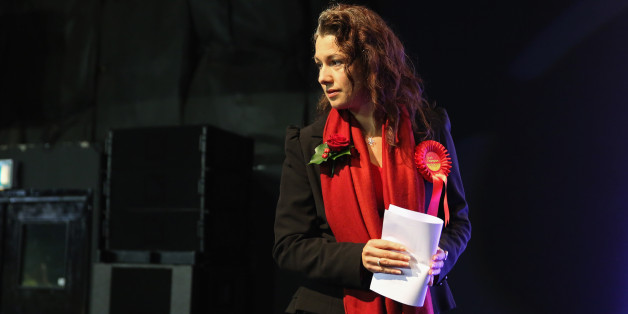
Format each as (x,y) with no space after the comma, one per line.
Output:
(434,164)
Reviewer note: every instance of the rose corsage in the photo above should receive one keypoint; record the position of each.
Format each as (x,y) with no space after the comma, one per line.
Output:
(335,147)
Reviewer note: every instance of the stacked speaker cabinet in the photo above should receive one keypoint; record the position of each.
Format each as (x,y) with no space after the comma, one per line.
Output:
(174,197)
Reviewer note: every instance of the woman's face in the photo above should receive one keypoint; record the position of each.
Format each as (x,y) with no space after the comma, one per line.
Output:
(332,76)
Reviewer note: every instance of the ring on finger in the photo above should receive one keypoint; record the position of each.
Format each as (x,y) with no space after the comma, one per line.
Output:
(378,264)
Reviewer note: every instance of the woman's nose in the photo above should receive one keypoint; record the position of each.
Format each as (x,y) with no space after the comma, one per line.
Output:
(324,76)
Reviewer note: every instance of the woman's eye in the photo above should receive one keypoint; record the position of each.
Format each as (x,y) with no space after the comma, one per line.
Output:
(336,62)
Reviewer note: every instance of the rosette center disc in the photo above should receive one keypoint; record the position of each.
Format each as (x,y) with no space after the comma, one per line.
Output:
(433,161)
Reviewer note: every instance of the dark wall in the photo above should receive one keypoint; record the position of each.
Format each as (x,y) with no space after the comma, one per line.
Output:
(535,91)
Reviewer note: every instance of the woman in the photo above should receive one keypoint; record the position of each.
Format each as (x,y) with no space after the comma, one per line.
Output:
(329,216)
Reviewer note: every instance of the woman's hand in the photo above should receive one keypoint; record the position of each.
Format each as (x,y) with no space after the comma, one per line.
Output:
(438,261)
(379,256)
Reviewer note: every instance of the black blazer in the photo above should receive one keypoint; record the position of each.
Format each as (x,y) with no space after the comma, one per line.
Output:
(305,243)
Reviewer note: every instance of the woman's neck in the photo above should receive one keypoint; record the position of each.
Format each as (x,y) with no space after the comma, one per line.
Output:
(366,117)
(371,126)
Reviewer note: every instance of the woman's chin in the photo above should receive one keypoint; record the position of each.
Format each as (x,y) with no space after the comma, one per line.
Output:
(338,105)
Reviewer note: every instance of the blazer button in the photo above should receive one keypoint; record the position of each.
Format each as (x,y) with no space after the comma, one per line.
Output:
(442,281)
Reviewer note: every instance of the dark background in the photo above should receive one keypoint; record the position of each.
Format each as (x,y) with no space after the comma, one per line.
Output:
(536,91)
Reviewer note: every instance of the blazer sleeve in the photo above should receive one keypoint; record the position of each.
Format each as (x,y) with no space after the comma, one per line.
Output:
(457,233)
(302,243)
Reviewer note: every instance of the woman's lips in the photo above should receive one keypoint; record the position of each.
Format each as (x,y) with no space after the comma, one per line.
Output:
(332,93)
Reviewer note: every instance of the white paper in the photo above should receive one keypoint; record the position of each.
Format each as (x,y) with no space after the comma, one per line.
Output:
(420,234)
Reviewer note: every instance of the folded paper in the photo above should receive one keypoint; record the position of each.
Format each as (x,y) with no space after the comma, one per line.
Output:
(420,234)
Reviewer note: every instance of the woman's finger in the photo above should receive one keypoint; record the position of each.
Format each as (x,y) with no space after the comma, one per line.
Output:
(437,264)
(378,249)
(385,262)
(379,265)
(440,255)
(386,245)
(389,255)
(378,260)
(435,267)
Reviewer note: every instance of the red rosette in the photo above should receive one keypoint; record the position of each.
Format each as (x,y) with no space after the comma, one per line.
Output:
(432,159)
(434,164)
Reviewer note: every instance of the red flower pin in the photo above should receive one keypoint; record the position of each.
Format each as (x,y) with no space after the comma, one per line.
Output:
(336,146)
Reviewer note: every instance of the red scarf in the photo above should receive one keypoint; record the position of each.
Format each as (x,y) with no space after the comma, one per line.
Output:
(351,203)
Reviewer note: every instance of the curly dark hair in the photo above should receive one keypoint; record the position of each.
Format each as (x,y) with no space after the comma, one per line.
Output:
(389,76)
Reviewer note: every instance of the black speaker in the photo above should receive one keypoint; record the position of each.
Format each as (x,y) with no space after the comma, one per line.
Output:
(121,288)
(46,251)
(141,288)
(168,189)
(3,202)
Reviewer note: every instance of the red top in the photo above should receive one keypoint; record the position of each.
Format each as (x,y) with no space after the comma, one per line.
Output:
(376,173)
